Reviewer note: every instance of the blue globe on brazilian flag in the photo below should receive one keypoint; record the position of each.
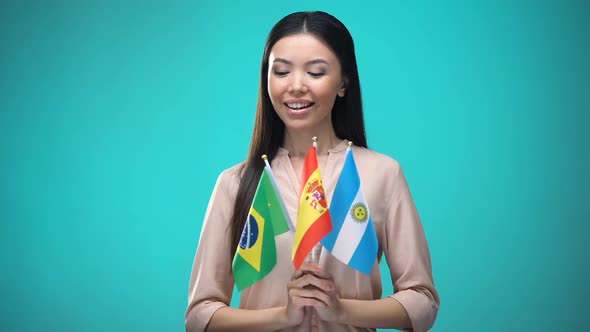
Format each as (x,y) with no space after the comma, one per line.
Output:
(256,254)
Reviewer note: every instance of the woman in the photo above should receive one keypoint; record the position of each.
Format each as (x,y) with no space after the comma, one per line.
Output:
(309,86)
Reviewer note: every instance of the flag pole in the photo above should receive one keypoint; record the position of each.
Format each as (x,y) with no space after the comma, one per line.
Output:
(349,148)
(316,251)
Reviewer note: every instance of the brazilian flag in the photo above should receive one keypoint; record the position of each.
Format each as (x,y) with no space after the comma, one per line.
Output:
(256,255)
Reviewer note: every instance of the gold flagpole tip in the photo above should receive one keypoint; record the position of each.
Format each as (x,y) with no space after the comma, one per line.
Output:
(349,144)
(264,157)
(315,139)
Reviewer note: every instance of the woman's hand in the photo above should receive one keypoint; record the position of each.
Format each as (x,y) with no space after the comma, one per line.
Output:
(332,310)
(303,292)
(312,286)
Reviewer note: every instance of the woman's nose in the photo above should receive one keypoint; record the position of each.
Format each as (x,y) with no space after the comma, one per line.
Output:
(297,84)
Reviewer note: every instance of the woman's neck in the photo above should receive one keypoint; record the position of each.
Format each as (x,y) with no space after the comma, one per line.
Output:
(299,142)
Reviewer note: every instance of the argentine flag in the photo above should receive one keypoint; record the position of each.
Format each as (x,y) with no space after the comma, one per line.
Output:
(353,239)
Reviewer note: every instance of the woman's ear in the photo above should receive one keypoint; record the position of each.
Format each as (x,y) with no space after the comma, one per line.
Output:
(342,89)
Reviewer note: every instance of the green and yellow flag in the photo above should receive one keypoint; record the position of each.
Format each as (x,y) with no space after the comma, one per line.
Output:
(256,255)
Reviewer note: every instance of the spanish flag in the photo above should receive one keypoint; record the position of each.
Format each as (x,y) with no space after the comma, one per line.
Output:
(313,217)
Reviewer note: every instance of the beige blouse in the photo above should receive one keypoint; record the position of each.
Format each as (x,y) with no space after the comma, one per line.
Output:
(399,230)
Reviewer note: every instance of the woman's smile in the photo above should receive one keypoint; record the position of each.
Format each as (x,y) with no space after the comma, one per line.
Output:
(298,106)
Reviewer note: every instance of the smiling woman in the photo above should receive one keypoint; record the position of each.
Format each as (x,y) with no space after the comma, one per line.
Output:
(303,82)
(309,87)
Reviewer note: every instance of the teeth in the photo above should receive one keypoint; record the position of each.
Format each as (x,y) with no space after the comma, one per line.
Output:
(298,105)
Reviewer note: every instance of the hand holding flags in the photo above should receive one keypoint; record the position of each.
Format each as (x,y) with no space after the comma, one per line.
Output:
(256,254)
(353,239)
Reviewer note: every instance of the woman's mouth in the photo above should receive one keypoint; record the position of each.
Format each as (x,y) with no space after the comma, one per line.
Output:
(299,107)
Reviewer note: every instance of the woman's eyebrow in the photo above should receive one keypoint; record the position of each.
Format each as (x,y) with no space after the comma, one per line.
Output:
(285,61)
(316,61)
(310,62)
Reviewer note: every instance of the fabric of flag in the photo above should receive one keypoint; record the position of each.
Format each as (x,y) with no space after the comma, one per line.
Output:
(282,203)
(353,239)
(256,254)
(313,217)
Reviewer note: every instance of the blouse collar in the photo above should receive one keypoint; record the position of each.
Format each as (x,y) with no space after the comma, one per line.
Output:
(341,146)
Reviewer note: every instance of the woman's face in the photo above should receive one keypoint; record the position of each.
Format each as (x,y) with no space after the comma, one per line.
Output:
(304,78)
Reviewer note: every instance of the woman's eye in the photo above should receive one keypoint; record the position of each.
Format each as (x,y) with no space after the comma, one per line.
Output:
(280,73)
(318,74)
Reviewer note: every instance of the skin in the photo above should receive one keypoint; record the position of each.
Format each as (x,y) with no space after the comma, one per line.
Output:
(304,69)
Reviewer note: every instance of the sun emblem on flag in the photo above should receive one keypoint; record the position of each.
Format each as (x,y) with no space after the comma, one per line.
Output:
(359,213)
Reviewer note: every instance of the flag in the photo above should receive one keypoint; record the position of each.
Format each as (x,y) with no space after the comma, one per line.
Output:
(276,189)
(256,254)
(353,239)
(313,217)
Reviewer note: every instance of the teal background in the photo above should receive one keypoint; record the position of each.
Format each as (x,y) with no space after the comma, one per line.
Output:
(117,117)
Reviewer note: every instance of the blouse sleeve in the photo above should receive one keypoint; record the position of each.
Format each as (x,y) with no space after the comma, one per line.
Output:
(408,257)
(212,281)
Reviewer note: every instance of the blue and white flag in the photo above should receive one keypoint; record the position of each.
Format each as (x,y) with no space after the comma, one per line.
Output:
(353,239)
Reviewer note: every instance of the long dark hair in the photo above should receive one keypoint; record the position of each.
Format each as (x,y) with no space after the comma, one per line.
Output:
(268,134)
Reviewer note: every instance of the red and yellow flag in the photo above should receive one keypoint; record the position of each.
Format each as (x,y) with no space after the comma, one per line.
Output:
(313,217)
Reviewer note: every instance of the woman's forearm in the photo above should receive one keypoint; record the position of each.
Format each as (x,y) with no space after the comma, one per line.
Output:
(232,319)
(383,313)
